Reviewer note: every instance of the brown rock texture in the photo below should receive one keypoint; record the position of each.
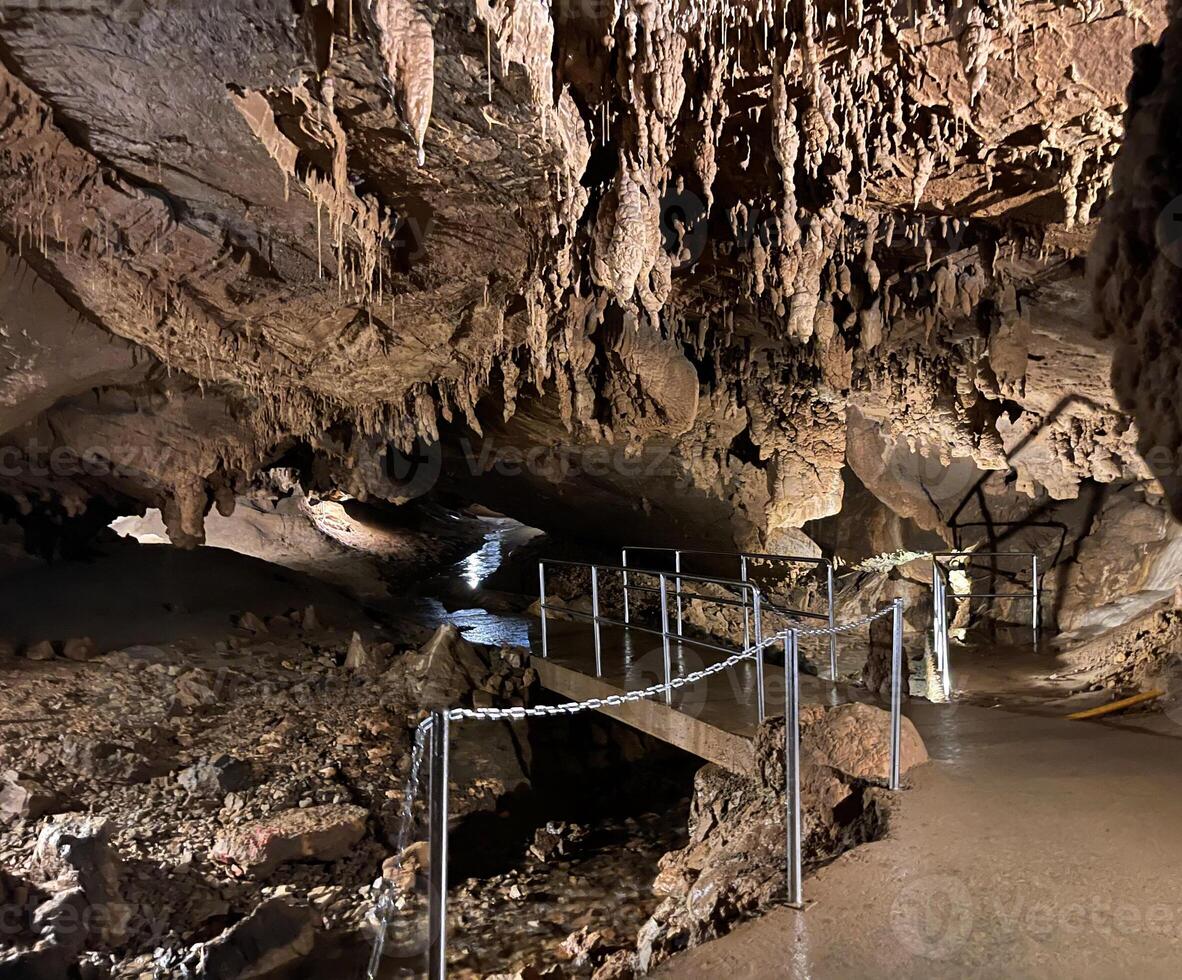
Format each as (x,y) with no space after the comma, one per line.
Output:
(1136,264)
(316,833)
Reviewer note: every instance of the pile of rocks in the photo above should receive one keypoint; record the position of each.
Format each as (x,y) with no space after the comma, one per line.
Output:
(218,806)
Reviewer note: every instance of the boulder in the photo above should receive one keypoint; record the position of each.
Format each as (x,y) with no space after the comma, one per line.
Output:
(196,688)
(65,919)
(47,960)
(40,651)
(215,776)
(80,649)
(272,938)
(733,865)
(583,946)
(249,621)
(7,650)
(112,761)
(446,669)
(22,798)
(856,740)
(76,849)
(315,833)
(620,965)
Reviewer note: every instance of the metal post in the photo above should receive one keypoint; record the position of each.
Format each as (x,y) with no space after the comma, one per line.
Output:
(832,623)
(762,707)
(746,611)
(934,652)
(792,763)
(896,690)
(1034,594)
(665,637)
(437,924)
(595,620)
(942,622)
(677,586)
(624,563)
(542,604)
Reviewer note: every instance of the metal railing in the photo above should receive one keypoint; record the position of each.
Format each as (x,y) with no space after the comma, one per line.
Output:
(940,595)
(437,728)
(745,559)
(748,590)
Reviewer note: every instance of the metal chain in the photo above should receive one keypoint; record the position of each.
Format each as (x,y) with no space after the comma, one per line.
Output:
(384,905)
(612,701)
(847,627)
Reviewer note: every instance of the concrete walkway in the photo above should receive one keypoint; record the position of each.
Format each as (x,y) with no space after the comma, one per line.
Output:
(1029,847)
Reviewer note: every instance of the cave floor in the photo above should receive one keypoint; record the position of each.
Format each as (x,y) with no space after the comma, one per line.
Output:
(1028,847)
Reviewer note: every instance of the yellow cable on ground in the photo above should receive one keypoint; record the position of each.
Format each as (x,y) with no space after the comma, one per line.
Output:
(1120,705)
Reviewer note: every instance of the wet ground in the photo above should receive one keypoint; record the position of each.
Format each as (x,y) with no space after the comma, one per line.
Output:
(1029,847)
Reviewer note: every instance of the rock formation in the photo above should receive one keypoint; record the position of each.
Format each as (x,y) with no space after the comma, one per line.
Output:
(704,255)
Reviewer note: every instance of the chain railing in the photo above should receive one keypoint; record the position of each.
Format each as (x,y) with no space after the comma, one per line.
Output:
(943,563)
(745,560)
(437,728)
(598,620)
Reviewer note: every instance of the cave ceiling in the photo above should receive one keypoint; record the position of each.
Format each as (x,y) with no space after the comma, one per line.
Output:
(749,244)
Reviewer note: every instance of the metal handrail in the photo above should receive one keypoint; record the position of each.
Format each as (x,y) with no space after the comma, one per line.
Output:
(941,582)
(743,557)
(598,620)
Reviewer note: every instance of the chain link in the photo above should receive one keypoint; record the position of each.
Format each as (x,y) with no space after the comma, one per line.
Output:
(852,625)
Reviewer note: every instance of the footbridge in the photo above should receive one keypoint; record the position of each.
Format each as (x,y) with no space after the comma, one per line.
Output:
(708,692)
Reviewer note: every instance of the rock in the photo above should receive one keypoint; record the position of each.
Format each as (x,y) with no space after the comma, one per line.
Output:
(22,798)
(111,761)
(77,848)
(855,739)
(310,621)
(40,651)
(447,668)
(315,833)
(360,659)
(47,960)
(19,898)
(80,649)
(620,965)
(404,871)
(66,918)
(7,650)
(556,839)
(581,946)
(196,689)
(733,865)
(249,621)
(272,938)
(216,776)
